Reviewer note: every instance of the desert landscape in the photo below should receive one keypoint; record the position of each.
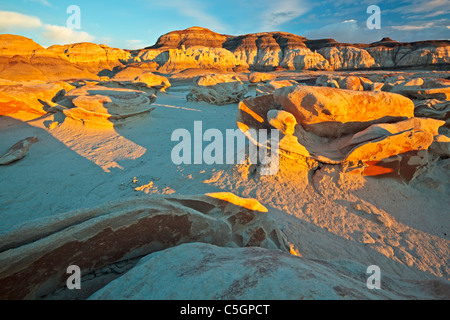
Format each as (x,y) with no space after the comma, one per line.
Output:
(208,166)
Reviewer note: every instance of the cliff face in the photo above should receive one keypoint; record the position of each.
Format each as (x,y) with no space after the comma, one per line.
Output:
(267,50)
(23,59)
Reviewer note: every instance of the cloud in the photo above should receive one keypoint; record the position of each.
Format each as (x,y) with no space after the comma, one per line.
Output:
(10,20)
(348,31)
(283,11)
(64,35)
(423,6)
(412,27)
(44,2)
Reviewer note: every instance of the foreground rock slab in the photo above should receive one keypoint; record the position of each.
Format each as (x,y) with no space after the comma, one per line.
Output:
(105,106)
(199,271)
(34,257)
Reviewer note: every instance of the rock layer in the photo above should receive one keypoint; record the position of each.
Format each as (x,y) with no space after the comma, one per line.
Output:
(33,260)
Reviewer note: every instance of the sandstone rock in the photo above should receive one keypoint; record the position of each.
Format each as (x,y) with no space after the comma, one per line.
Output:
(218,89)
(351,83)
(207,272)
(92,57)
(191,37)
(282,120)
(22,59)
(34,257)
(343,58)
(30,97)
(105,106)
(198,57)
(18,150)
(270,87)
(386,149)
(255,77)
(153,81)
(138,79)
(304,58)
(330,112)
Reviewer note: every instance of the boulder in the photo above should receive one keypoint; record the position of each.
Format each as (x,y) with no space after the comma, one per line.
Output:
(199,271)
(218,89)
(34,256)
(282,120)
(351,83)
(330,112)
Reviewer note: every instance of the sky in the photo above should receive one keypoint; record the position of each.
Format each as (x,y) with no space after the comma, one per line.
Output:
(136,24)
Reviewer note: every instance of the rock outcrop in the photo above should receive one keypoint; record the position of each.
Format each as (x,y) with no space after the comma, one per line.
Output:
(92,57)
(218,89)
(330,112)
(207,272)
(33,260)
(30,97)
(369,146)
(21,59)
(101,105)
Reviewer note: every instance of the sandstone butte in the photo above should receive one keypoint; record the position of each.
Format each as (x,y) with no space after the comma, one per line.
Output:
(23,59)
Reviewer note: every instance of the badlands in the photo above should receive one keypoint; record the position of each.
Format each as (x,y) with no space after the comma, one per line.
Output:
(361,180)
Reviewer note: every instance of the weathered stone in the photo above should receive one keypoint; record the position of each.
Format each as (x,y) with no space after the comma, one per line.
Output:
(34,257)
(218,89)
(330,112)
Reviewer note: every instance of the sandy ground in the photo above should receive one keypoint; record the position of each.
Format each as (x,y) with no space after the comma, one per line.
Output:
(327,215)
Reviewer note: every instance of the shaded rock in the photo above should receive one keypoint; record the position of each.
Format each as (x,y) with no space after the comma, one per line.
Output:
(18,150)
(441,145)
(282,120)
(34,257)
(218,89)
(203,271)
(330,112)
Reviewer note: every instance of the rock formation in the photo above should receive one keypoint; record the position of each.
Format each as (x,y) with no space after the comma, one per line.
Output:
(218,89)
(104,106)
(370,145)
(209,272)
(33,262)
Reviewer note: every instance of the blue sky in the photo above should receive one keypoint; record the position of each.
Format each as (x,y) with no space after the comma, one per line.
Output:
(138,23)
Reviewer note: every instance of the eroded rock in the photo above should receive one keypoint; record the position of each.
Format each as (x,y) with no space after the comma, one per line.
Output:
(34,257)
